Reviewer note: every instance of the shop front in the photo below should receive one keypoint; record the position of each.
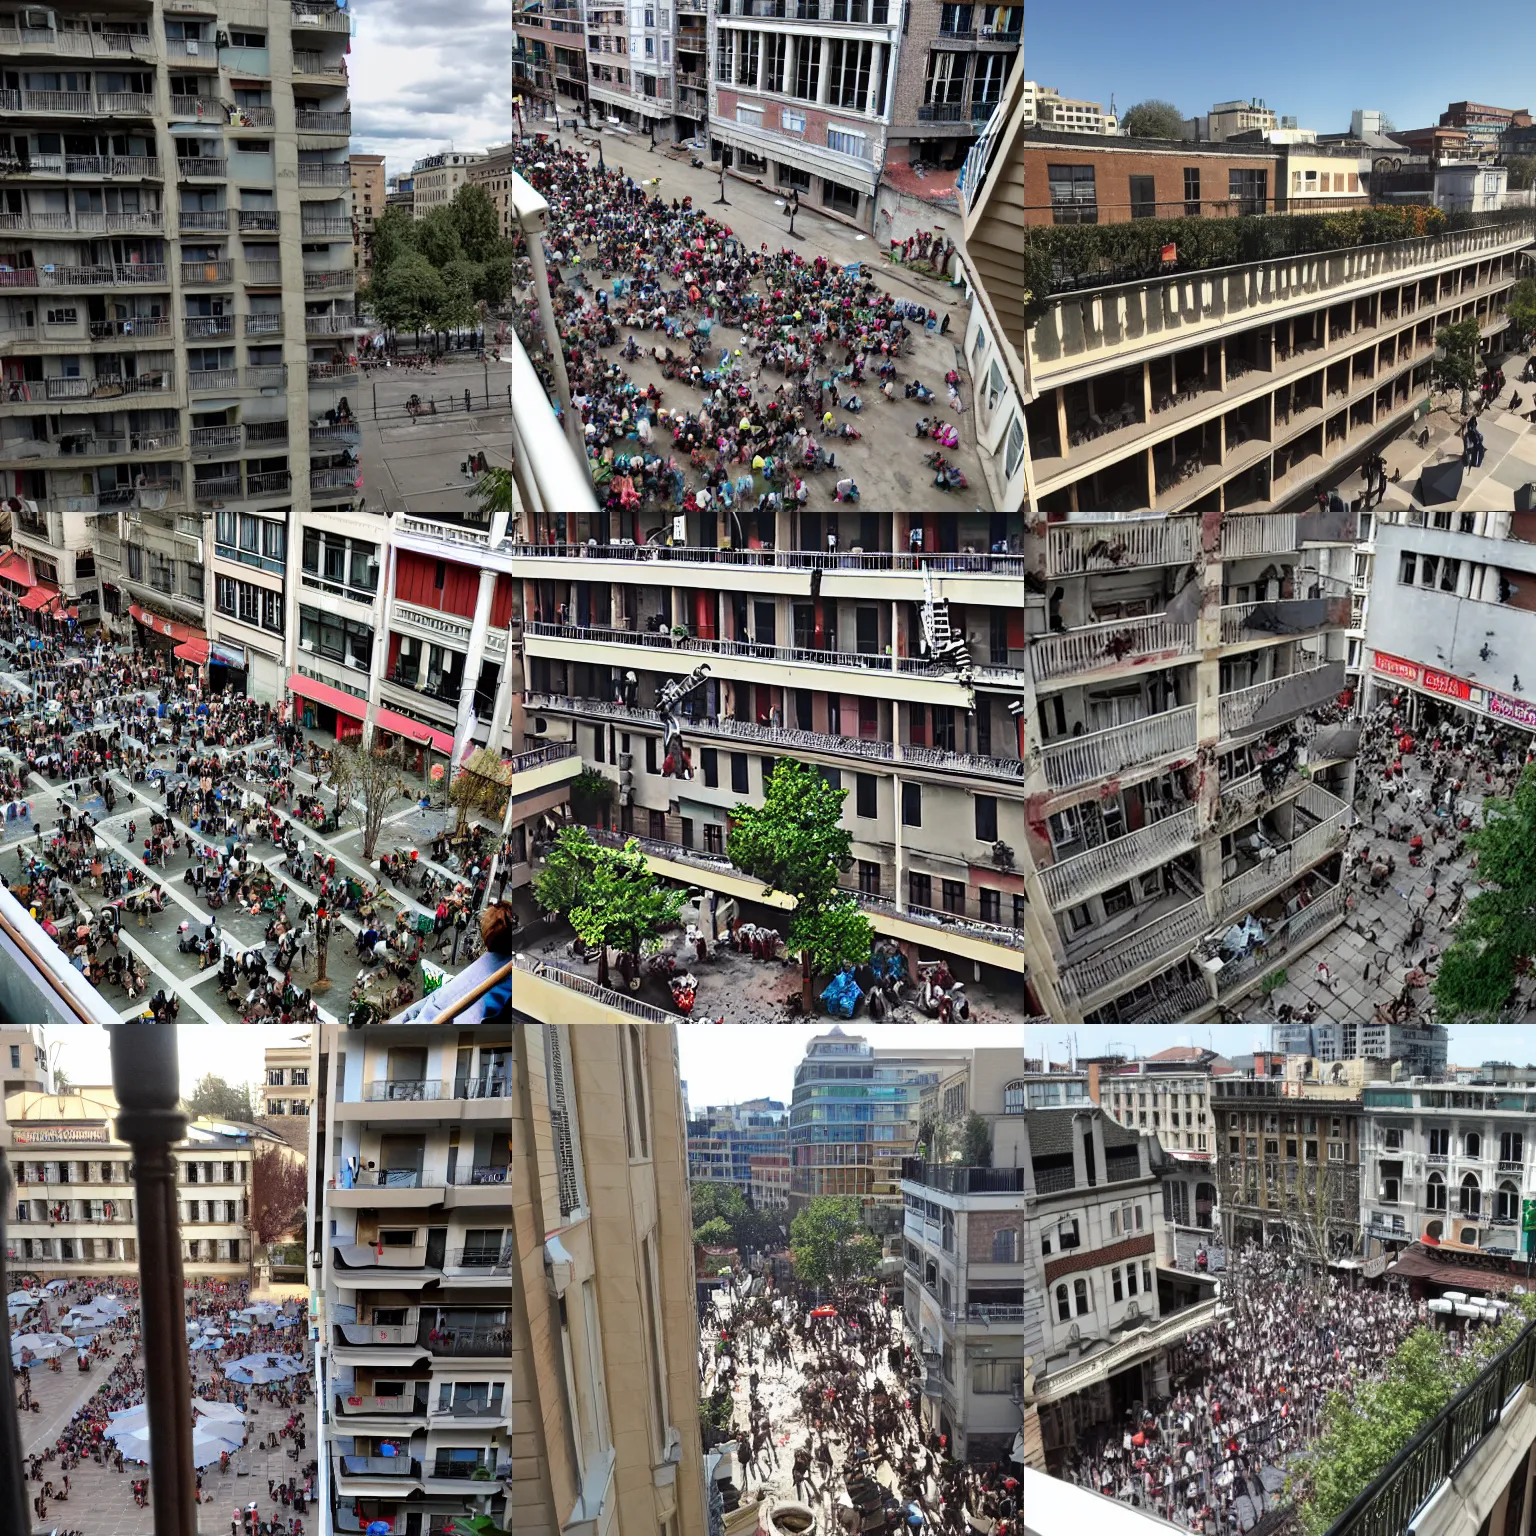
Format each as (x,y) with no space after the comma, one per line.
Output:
(227,667)
(428,752)
(155,633)
(1428,695)
(321,707)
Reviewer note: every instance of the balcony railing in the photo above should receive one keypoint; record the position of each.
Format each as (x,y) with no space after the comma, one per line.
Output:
(379,1466)
(333,325)
(332,373)
(387,1335)
(102,276)
(901,562)
(203,218)
(1076,548)
(317,282)
(224,488)
(1122,858)
(319,229)
(202,165)
(1102,754)
(325,175)
(209,107)
(266,376)
(1088,977)
(323,122)
(495,1340)
(263,273)
(479,1174)
(346,1405)
(210,439)
(210,380)
(487,1260)
(957,112)
(620,1001)
(264,325)
(325,18)
(210,325)
(201,274)
(1117,644)
(269,482)
(1240,709)
(257,220)
(1262,534)
(952,1180)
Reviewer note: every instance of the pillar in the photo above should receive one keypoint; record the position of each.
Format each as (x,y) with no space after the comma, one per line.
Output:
(762,57)
(824,73)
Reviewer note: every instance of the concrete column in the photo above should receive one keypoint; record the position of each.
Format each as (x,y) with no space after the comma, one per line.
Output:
(896,835)
(762,58)
(824,74)
(1464,580)
(1079,1160)
(481,623)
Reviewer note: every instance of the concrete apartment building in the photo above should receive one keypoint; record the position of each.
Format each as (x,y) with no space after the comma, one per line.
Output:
(725,1139)
(604,1321)
(632,71)
(494,174)
(1046,107)
(400,192)
(177,317)
(288,1091)
(1420,1048)
(413,1259)
(1487,128)
(368,195)
(1095,1335)
(549,55)
(1288,1158)
(768,1188)
(74,1204)
(435,178)
(24,1065)
(812,652)
(1227,119)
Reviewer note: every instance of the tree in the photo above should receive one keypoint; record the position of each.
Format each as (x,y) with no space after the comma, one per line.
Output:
(279,1191)
(459,308)
(571,857)
(715,1233)
(494,491)
(407,294)
(975,1142)
(476,222)
(829,1243)
(436,238)
(1153,119)
(1522,172)
(496,277)
(591,791)
(795,843)
(375,776)
(1496,937)
(622,905)
(393,236)
(61,1082)
(213,1096)
(481,784)
(1522,304)
(715,1200)
(1457,367)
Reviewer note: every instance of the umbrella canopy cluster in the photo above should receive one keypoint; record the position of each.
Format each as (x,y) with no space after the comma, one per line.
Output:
(254,1370)
(22,1301)
(220,1429)
(39,1346)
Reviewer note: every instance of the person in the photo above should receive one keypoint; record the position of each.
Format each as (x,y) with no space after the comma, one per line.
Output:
(846,491)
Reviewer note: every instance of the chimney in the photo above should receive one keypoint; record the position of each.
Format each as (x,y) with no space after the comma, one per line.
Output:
(1080,1179)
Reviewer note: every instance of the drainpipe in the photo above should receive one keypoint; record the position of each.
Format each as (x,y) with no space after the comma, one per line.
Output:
(147,1080)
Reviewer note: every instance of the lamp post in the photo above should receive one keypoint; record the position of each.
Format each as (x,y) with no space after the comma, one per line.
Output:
(794,208)
(723,198)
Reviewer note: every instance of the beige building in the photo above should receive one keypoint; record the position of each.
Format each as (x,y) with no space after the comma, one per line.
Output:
(494,173)
(604,1324)
(24,1059)
(1228,118)
(74,1198)
(769,1186)
(288,1090)
(177,316)
(436,178)
(367,205)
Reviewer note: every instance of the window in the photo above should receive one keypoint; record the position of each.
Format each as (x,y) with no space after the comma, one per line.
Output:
(1004,1245)
(869,878)
(866,796)
(1249,189)
(739,773)
(996,1376)
(635,1099)
(1473,1144)
(1130,1279)
(1082,1297)
(792,121)
(1471,1195)
(1506,1202)
(709,761)
(1191,191)
(1439,1141)
(1063,1305)
(1392,1139)
(1143,197)
(1512,1147)
(911,803)
(1073,196)
(845,141)
(1117,1286)
(986,818)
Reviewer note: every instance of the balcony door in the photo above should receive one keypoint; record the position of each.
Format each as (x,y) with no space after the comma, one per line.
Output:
(401,1160)
(437,1246)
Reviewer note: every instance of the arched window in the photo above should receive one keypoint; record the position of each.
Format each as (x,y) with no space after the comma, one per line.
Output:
(1063,1306)
(1474,1144)
(1080,1293)
(1434,1194)
(1471,1195)
(1506,1204)
(1013,1098)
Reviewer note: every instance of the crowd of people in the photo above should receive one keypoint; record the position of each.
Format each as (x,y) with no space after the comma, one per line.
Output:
(680,282)
(847,1385)
(1247,1393)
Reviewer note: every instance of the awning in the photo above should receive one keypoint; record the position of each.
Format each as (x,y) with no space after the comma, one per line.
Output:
(1414,1263)
(323,693)
(39,597)
(14,568)
(414,730)
(193,650)
(163,626)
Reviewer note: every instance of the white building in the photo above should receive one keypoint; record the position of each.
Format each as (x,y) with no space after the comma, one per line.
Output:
(1447,1163)
(436,178)
(1066,114)
(1470,188)
(1421,1048)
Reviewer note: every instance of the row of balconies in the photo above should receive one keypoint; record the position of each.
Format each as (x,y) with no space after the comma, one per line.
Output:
(221,488)
(54,221)
(92,445)
(34,40)
(1085,547)
(495,1340)
(79,103)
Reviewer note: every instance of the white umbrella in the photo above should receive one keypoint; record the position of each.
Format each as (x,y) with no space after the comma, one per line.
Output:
(209,1442)
(284,1365)
(214,1410)
(44,1346)
(16,1298)
(126,1420)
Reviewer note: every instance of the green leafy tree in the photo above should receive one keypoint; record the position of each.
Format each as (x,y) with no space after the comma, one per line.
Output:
(1153,119)
(975,1142)
(226,1101)
(494,492)
(623,906)
(1522,172)
(1496,938)
(437,238)
(1522,303)
(496,277)
(481,785)
(570,860)
(830,1244)
(591,791)
(715,1233)
(393,236)
(1457,367)
(476,222)
(717,1200)
(408,294)
(458,309)
(795,843)
(369,780)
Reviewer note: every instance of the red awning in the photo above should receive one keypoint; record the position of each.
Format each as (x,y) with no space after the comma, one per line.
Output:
(193,650)
(39,597)
(323,693)
(14,568)
(414,730)
(163,626)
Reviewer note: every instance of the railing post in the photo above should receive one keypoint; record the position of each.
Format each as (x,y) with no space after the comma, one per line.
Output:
(146,1077)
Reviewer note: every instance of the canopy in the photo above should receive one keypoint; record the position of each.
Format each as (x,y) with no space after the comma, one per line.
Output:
(323,693)
(254,1370)
(24,1298)
(39,597)
(13,567)
(210,1440)
(60,1285)
(414,730)
(42,1346)
(215,1410)
(193,650)
(163,626)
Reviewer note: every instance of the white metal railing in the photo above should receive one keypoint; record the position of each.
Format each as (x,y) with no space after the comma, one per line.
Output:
(1073,548)
(549,475)
(1249,888)
(449,533)
(1157,1333)
(1184,924)
(620,1001)
(1239,707)
(555,752)
(1117,643)
(442,624)
(1263,533)
(1083,759)
(1122,858)
(780,559)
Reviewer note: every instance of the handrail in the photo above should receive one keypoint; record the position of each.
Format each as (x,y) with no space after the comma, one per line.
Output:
(544,464)
(74,993)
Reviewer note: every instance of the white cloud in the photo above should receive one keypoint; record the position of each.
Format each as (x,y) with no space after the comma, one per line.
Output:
(425,73)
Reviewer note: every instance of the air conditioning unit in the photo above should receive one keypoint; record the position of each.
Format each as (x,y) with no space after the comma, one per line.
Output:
(306,645)
(626,783)
(191,46)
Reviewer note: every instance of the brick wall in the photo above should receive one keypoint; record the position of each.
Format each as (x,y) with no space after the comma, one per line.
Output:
(817,120)
(980,1227)
(1095,1258)
(1113,169)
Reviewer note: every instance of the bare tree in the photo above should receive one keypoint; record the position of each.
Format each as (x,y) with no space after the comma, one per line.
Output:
(373,775)
(278,1195)
(482,784)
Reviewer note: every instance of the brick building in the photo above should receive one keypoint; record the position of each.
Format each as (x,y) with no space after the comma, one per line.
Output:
(367,204)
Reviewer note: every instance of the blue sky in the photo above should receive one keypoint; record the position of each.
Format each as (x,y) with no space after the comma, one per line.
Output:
(1310,60)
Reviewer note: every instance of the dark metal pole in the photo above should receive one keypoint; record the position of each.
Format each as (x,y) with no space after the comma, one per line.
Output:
(147,1080)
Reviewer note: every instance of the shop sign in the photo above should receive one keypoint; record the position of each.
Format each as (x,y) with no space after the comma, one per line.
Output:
(1443,682)
(229,655)
(53,1135)
(1395,666)
(1507,708)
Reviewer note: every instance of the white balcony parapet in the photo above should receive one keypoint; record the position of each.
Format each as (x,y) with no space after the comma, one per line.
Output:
(1075,548)
(1085,978)
(448,533)
(445,625)
(1118,643)
(1122,858)
(1239,707)
(1101,754)
(1263,533)
(1157,1334)
(549,475)
(782,559)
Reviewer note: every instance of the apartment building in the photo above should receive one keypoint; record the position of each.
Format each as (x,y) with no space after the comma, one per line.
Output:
(367,205)
(726,1139)
(74,1200)
(604,1321)
(177,316)
(400,192)
(415,1260)
(435,178)
(1448,622)
(288,1090)
(636,59)
(1420,1048)
(854,1115)
(1068,114)
(494,174)
(768,1187)
(1288,1161)
(1229,118)
(24,1065)
(549,55)
(813,653)
(1446,1166)
(1487,128)
(1094,1334)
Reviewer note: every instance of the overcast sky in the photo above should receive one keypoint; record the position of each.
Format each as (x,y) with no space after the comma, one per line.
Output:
(726,1063)
(234,1052)
(427,76)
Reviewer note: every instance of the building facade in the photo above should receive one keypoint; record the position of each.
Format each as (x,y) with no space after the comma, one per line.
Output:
(367,205)
(1228,118)
(1067,114)
(435,178)
(415,1266)
(549,55)
(24,1065)
(288,1090)
(604,1322)
(74,1200)
(494,174)
(726,1139)
(633,71)
(177,319)
(1421,1048)
(769,1186)
(1487,128)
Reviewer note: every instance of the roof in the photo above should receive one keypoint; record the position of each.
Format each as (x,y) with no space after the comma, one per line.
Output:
(1416,1262)
(1050,1130)
(1222,149)
(1190,1053)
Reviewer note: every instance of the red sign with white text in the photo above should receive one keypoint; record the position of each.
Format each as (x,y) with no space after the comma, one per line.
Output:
(1443,682)
(1395,666)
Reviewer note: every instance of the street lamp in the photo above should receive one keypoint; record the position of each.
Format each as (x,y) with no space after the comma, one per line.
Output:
(723,198)
(794,208)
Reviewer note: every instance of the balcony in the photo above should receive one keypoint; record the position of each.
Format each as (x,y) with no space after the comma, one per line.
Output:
(267,376)
(1247,711)
(379,1466)
(326,228)
(269,482)
(264,274)
(202,165)
(147,273)
(257,432)
(479,1175)
(953,1180)
(198,108)
(325,175)
(108,386)
(332,373)
(209,325)
(377,1335)
(224,488)
(38,41)
(314,64)
(257,221)
(495,1340)
(129,167)
(1113,964)
(323,18)
(978,112)
(1283,619)
(264,324)
(354,1406)
(205,274)
(206,440)
(1116,646)
(1066,883)
(1143,743)
(1073,549)
(333,325)
(486,1260)
(207,381)
(318,282)
(1285,937)
(339,123)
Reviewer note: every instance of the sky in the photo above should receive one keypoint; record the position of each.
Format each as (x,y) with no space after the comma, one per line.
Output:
(1470,1044)
(426,76)
(1314,60)
(233,1052)
(727,1063)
